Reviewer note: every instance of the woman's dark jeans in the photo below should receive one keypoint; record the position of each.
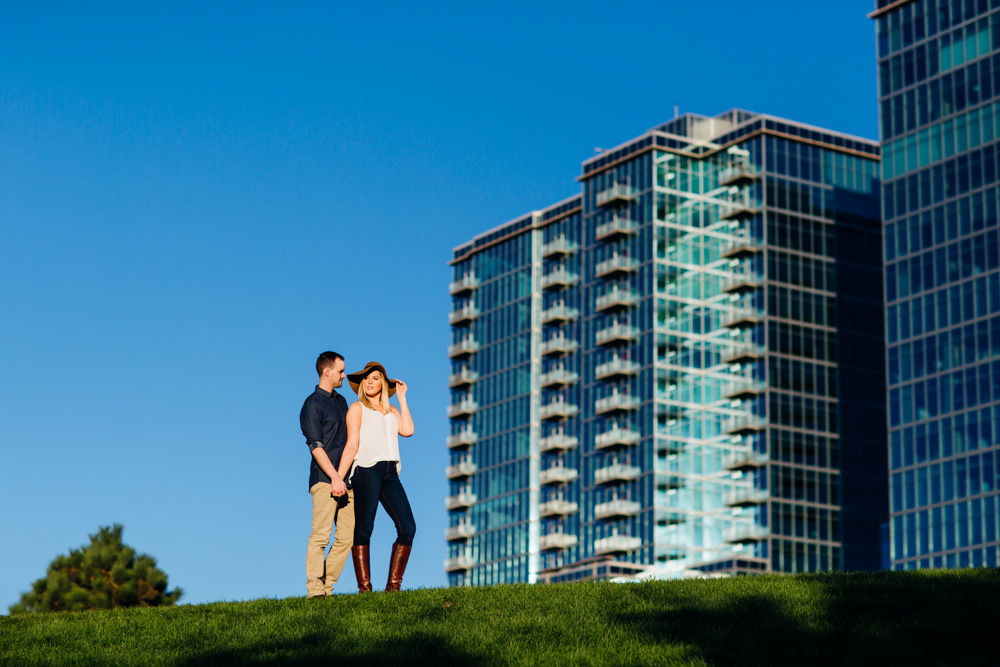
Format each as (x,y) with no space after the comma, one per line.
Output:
(380,484)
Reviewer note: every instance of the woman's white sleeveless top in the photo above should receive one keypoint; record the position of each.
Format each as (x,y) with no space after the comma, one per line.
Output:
(379,440)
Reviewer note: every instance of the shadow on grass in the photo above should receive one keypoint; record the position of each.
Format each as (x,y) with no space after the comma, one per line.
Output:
(836,620)
(317,648)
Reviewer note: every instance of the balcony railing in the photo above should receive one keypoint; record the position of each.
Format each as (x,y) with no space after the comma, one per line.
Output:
(742,317)
(740,208)
(745,533)
(461,531)
(744,425)
(744,496)
(466,283)
(616,333)
(744,244)
(466,313)
(463,348)
(558,475)
(558,441)
(463,408)
(558,247)
(461,469)
(617,544)
(739,174)
(559,345)
(557,508)
(619,193)
(616,368)
(558,410)
(464,377)
(743,389)
(744,354)
(616,472)
(742,282)
(616,298)
(746,460)
(559,279)
(616,402)
(616,508)
(616,264)
(559,376)
(463,562)
(462,438)
(460,500)
(616,436)
(559,313)
(615,227)
(554,541)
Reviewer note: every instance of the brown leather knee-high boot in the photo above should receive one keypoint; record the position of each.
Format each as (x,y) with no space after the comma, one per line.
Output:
(397,565)
(362,569)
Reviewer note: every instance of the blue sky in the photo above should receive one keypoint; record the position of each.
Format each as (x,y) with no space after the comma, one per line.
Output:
(198,198)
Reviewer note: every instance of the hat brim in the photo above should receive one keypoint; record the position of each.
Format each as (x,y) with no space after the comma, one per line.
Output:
(354,379)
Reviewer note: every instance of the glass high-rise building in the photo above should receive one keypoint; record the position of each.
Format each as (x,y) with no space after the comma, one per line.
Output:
(939,91)
(679,370)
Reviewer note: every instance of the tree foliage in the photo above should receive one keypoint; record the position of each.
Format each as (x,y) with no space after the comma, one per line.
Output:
(106,574)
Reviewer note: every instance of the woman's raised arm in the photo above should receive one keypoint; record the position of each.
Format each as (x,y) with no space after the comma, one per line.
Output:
(405,419)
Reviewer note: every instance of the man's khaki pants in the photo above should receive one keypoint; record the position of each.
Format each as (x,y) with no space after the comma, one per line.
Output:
(322,574)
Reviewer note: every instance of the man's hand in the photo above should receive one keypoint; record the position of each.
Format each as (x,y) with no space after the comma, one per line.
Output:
(337,487)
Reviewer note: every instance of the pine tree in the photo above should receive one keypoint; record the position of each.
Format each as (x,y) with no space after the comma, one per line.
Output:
(106,574)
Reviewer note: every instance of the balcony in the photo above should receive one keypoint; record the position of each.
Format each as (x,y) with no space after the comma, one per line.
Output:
(742,246)
(738,174)
(616,437)
(463,315)
(615,473)
(616,509)
(616,403)
(668,480)
(616,544)
(741,317)
(558,314)
(559,279)
(559,377)
(742,282)
(557,475)
(464,285)
(463,562)
(744,425)
(558,410)
(558,345)
(558,442)
(461,531)
(462,409)
(463,378)
(559,247)
(616,333)
(616,227)
(554,541)
(557,507)
(462,439)
(744,461)
(744,496)
(743,390)
(617,194)
(740,209)
(616,265)
(745,534)
(461,469)
(744,354)
(616,298)
(463,348)
(460,501)
(616,368)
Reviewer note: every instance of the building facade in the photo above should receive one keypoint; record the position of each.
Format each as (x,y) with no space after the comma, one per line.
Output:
(939,91)
(678,370)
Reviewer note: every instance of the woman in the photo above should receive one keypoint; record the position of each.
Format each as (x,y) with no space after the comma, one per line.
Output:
(373,430)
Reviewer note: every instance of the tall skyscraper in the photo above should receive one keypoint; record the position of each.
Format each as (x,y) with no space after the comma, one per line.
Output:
(679,370)
(939,89)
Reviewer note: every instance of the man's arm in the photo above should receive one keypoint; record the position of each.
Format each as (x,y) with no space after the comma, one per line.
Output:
(337,486)
(311,421)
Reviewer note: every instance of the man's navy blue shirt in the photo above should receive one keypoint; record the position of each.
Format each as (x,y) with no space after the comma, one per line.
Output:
(324,423)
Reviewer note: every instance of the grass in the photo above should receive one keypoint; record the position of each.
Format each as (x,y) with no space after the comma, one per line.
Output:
(885,618)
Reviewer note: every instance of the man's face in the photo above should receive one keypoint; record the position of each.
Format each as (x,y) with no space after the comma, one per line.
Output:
(336,373)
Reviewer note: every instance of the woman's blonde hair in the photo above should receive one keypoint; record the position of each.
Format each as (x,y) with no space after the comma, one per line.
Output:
(363,398)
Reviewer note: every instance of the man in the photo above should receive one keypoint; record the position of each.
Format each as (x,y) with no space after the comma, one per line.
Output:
(323,421)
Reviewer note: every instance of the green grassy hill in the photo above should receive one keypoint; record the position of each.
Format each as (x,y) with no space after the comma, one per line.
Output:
(886,618)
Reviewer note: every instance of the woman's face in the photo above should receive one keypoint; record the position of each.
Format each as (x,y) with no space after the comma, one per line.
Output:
(373,384)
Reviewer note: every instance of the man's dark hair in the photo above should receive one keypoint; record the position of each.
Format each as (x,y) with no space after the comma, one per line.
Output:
(326,360)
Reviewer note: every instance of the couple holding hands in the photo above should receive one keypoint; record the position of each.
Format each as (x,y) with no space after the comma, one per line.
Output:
(355,466)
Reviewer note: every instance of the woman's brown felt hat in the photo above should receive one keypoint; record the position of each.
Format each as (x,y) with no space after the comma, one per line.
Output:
(356,378)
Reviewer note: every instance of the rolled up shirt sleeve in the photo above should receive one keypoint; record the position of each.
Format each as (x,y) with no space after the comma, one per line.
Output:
(312,425)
